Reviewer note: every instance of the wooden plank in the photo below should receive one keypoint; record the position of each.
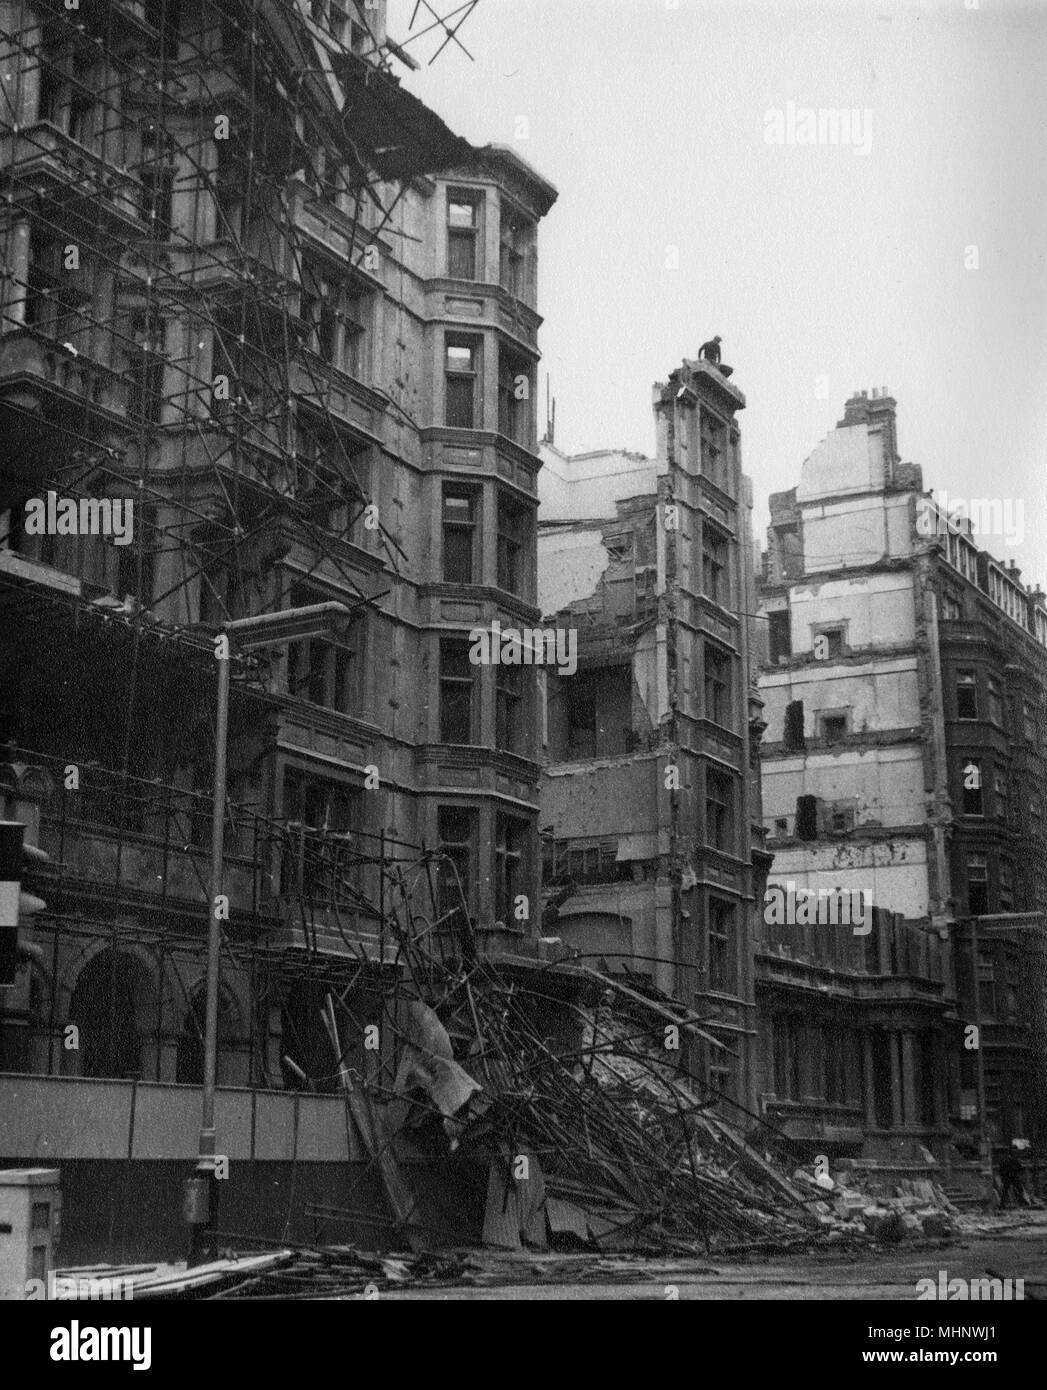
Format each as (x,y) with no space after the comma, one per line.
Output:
(565,1218)
(530,1196)
(656,1007)
(502,1212)
(398,1192)
(749,1156)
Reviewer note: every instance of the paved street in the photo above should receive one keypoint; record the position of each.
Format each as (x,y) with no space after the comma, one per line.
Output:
(1015,1252)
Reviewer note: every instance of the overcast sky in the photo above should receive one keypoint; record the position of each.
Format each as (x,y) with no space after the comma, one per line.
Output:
(825,270)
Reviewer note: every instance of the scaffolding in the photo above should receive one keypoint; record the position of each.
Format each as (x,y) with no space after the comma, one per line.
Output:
(198,196)
(204,393)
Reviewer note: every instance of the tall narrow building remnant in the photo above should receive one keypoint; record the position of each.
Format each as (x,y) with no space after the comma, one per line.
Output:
(650,795)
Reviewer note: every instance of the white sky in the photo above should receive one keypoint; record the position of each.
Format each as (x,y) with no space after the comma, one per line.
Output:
(809,261)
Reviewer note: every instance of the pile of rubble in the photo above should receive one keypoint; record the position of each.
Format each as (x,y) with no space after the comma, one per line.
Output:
(856,1204)
(605,1144)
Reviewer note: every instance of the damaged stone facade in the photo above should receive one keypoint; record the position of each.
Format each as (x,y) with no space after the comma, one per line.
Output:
(649,796)
(887,664)
(382,453)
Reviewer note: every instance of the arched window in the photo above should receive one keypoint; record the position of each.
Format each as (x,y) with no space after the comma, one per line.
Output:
(111,1005)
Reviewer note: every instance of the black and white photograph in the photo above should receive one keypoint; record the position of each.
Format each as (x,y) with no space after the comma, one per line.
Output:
(523,667)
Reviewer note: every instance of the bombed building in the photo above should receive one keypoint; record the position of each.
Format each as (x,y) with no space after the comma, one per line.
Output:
(261,297)
(650,810)
(902,674)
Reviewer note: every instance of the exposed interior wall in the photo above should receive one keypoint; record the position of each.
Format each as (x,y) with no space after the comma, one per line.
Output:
(893,871)
(879,697)
(876,610)
(581,487)
(570,566)
(843,535)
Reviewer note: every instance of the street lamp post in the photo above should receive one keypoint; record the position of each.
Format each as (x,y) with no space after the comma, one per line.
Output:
(243,634)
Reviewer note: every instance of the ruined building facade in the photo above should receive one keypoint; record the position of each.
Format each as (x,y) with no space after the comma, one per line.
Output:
(650,809)
(903,679)
(258,290)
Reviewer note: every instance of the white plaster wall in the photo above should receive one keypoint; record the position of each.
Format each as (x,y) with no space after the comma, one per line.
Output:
(880,697)
(886,783)
(894,872)
(570,564)
(650,673)
(586,486)
(877,608)
(612,796)
(849,459)
(900,523)
(856,531)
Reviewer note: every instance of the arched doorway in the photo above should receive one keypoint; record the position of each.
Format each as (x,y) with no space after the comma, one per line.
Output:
(110,1006)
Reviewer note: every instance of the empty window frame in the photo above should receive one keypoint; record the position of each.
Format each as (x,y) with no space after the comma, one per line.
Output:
(715,567)
(723,947)
(146,383)
(514,398)
(461,382)
(323,672)
(987,983)
(966,695)
(1006,893)
(509,867)
(996,706)
(829,643)
(319,861)
(157,174)
(952,607)
(459,530)
(1029,721)
(977,884)
(457,687)
(515,238)
(1002,793)
(971,787)
(719,811)
(57,300)
(514,526)
(717,686)
(509,707)
(580,718)
(713,442)
(779,635)
(464,225)
(229,193)
(52,88)
(590,864)
(832,727)
(336,313)
(456,875)
(597,714)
